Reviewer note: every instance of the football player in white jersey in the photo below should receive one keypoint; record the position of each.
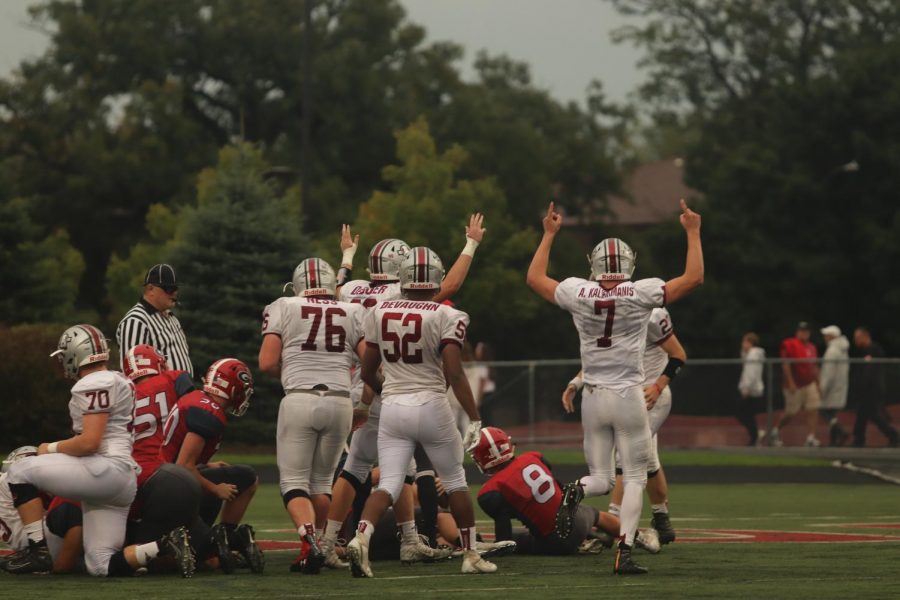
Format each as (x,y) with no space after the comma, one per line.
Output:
(11,529)
(611,314)
(663,358)
(418,342)
(311,341)
(94,467)
(384,284)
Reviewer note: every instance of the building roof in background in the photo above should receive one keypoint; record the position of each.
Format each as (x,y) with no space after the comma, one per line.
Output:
(650,195)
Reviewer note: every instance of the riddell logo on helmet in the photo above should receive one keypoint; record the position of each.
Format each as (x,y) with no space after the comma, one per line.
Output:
(421,286)
(317,292)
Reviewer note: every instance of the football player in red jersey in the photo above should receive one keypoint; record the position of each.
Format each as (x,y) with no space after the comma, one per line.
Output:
(523,487)
(192,435)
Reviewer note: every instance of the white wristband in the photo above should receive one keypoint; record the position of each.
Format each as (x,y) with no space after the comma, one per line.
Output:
(347,258)
(471,245)
(51,447)
(578,382)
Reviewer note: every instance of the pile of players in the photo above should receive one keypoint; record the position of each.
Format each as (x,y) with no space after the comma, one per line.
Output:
(136,486)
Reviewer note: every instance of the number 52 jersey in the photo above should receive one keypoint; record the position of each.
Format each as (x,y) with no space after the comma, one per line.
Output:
(612,327)
(410,336)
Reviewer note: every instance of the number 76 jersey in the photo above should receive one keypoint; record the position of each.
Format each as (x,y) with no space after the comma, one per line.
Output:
(410,336)
(612,326)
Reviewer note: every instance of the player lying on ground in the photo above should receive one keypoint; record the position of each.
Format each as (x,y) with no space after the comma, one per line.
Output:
(663,359)
(192,435)
(419,343)
(94,467)
(523,487)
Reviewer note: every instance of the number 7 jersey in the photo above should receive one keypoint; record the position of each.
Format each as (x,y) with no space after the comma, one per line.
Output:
(612,327)
(410,336)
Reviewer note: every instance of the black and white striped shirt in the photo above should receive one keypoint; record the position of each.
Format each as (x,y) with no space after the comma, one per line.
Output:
(143,324)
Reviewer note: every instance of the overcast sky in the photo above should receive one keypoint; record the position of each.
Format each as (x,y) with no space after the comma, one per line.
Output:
(566,42)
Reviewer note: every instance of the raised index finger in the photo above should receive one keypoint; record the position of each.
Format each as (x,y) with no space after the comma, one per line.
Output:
(550,209)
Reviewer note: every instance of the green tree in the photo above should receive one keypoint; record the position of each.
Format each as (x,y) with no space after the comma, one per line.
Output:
(428,205)
(39,270)
(233,252)
(785,100)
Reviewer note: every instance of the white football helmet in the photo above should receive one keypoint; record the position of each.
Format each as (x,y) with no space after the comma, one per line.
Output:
(385,259)
(17,454)
(80,346)
(314,277)
(422,269)
(612,260)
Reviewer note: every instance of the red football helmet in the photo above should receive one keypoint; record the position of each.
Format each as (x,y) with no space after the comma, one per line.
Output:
(143,360)
(494,448)
(230,379)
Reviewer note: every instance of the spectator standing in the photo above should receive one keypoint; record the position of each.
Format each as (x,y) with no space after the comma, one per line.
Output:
(869,380)
(801,384)
(750,386)
(834,380)
(151,321)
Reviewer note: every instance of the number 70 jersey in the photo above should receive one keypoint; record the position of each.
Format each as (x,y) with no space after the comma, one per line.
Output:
(410,336)
(612,327)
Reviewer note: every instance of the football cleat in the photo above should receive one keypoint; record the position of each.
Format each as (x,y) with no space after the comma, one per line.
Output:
(358,555)
(314,557)
(218,537)
(573,494)
(624,565)
(177,544)
(647,539)
(663,526)
(490,549)
(592,546)
(244,541)
(33,559)
(333,561)
(420,551)
(474,563)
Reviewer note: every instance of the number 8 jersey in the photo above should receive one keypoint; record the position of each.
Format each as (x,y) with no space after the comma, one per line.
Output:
(410,336)
(525,485)
(612,327)
(318,340)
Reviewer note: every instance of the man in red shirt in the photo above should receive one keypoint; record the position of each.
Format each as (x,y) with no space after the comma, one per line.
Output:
(800,384)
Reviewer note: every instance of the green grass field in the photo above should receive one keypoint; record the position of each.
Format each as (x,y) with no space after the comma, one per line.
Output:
(714,569)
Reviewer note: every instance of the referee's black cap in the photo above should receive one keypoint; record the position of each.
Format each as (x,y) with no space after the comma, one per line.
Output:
(162,275)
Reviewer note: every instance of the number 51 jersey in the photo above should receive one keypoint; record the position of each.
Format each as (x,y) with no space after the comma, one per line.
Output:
(612,327)
(410,336)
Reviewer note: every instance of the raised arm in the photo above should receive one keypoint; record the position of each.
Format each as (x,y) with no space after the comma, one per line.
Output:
(460,269)
(537,278)
(693,268)
(349,245)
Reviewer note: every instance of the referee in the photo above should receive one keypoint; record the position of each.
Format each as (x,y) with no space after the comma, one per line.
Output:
(151,321)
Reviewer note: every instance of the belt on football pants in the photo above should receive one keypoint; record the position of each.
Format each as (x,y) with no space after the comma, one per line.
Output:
(324,393)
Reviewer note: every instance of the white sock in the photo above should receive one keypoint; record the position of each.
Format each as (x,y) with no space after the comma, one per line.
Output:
(595,485)
(319,533)
(614,509)
(329,536)
(408,534)
(34,531)
(144,553)
(306,529)
(467,537)
(660,508)
(365,529)
(632,502)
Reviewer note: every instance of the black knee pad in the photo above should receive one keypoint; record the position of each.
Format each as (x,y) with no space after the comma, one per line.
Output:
(349,478)
(291,494)
(241,476)
(618,471)
(22,493)
(118,566)
(409,480)
(652,474)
